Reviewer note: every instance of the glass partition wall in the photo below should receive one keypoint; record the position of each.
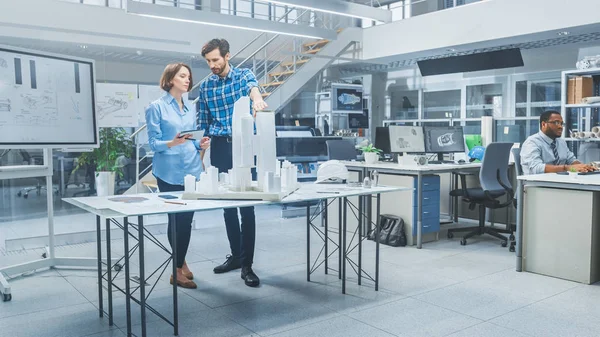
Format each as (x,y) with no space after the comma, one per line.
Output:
(514,101)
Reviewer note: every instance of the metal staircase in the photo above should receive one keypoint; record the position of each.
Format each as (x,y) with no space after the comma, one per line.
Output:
(282,65)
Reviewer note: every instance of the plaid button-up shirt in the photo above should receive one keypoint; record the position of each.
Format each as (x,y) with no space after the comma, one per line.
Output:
(217,96)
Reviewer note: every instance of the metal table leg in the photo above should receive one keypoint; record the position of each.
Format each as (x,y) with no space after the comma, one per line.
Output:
(377,243)
(360,237)
(142,274)
(308,244)
(520,204)
(326,236)
(109,274)
(174,242)
(99,252)
(419,210)
(343,248)
(127,283)
(340,252)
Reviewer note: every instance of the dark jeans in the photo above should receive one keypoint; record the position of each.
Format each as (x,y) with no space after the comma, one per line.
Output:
(241,241)
(184,224)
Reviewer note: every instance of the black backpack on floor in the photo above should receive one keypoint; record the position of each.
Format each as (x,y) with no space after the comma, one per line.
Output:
(391,231)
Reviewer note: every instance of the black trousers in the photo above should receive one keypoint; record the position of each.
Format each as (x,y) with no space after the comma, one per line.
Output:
(184,224)
(241,240)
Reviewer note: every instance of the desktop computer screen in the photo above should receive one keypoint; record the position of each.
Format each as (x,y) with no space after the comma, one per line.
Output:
(406,138)
(444,139)
(382,139)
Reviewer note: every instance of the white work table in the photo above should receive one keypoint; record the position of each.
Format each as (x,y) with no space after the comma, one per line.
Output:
(418,171)
(558,231)
(122,207)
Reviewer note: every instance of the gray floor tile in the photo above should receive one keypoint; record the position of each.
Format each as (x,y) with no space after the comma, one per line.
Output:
(341,326)
(110,333)
(497,294)
(74,320)
(572,313)
(162,301)
(411,280)
(40,291)
(203,324)
(277,313)
(486,329)
(410,317)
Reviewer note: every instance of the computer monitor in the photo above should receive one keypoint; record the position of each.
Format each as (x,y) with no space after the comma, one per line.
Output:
(382,139)
(444,139)
(406,138)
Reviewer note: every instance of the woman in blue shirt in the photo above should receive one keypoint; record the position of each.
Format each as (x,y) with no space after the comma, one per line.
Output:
(175,156)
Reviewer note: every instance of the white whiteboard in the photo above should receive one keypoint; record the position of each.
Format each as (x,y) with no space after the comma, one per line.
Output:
(46,100)
(116,105)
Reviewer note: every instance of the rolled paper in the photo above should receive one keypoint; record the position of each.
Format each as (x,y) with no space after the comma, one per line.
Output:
(596,129)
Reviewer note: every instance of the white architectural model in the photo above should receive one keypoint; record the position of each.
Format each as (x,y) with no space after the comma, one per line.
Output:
(273,181)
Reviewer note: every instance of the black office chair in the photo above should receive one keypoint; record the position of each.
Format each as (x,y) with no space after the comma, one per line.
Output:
(341,149)
(495,184)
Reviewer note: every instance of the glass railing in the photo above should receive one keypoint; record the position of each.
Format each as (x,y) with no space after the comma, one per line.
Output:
(243,8)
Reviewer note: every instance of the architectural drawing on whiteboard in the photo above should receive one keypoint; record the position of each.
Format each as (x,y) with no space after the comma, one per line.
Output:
(3,63)
(35,120)
(75,105)
(32,102)
(110,106)
(5,104)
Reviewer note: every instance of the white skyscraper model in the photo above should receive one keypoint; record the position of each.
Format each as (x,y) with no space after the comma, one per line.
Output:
(273,181)
(266,154)
(242,135)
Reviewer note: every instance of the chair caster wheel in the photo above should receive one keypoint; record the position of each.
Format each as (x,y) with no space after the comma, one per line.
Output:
(450,235)
(25,196)
(118,267)
(7,297)
(511,237)
(44,255)
(504,244)
(463,242)
(511,248)
(19,194)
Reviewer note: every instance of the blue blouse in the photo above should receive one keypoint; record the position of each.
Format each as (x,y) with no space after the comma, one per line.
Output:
(164,120)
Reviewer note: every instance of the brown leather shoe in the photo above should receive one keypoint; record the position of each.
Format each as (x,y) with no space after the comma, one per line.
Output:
(189,276)
(186,283)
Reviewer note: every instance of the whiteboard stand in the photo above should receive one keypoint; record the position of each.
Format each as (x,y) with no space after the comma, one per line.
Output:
(51,261)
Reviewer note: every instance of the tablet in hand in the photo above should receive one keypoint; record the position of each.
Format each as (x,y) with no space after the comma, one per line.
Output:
(196,134)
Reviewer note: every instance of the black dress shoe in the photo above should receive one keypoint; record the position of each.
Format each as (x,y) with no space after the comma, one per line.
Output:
(249,277)
(230,264)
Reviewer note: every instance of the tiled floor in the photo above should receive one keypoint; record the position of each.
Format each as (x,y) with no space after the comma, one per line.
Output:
(443,289)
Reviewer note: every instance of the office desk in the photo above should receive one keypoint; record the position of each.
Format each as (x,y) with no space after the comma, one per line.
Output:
(558,226)
(411,170)
(151,204)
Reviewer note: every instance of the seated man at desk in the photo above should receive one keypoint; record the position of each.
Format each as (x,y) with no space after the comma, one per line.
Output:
(546,151)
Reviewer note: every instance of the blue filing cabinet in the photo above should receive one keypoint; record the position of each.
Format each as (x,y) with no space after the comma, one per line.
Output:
(431,204)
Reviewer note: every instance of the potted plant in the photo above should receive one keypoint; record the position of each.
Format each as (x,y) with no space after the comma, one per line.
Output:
(371,153)
(114,143)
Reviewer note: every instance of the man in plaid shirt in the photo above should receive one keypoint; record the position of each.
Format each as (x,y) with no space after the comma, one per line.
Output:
(217,95)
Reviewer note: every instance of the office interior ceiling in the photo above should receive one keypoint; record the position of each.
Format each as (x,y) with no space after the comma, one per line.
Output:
(547,39)
(106,53)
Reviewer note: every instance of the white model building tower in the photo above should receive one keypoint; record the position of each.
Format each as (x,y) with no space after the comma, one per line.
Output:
(240,176)
(266,156)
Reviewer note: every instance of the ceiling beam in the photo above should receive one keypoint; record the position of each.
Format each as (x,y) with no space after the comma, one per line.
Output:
(229,21)
(339,7)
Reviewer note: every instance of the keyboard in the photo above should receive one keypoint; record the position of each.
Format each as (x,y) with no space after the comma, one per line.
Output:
(588,173)
(440,162)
